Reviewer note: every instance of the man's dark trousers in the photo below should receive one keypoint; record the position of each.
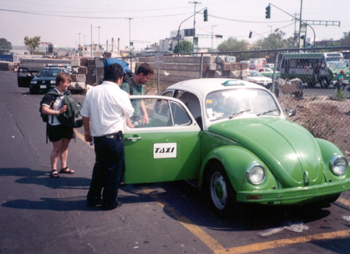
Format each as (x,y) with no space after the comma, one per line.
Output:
(110,161)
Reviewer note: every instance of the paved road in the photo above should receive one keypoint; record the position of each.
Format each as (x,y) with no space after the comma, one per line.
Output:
(44,215)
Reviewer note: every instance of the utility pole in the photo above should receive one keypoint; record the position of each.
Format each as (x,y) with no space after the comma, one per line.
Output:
(91,41)
(212,36)
(194,21)
(300,22)
(98,38)
(129,34)
(270,29)
(295,29)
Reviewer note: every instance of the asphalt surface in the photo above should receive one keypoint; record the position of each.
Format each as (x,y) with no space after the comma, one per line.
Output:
(44,215)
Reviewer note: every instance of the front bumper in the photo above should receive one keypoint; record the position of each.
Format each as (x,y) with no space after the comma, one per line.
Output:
(297,195)
(43,86)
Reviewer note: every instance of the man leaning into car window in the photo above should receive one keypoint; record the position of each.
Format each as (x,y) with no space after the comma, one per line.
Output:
(143,75)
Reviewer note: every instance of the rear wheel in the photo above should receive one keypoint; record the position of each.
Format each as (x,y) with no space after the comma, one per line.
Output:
(311,85)
(32,90)
(219,190)
(325,83)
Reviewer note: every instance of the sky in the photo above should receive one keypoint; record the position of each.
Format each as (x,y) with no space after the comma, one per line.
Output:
(66,23)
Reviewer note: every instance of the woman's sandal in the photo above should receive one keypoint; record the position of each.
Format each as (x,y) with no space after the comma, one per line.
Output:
(54,174)
(66,170)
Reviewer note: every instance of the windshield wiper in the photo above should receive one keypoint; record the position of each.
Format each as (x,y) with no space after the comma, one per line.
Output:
(238,113)
(264,113)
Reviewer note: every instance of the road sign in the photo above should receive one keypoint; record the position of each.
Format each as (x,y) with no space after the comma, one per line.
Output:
(159,61)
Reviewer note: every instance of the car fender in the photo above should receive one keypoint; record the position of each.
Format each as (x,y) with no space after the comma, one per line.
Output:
(236,160)
(328,150)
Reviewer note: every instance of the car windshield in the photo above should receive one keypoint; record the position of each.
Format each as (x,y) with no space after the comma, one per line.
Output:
(48,73)
(254,74)
(336,64)
(268,70)
(240,103)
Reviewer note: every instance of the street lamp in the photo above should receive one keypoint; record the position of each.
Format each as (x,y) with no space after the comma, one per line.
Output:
(98,37)
(212,36)
(271,29)
(129,32)
(194,18)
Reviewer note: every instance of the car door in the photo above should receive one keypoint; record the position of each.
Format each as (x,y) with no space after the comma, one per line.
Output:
(24,77)
(166,149)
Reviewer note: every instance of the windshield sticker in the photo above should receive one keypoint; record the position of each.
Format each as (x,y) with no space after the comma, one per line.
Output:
(164,150)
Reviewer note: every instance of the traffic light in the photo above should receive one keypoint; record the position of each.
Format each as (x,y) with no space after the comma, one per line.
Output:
(218,36)
(268,12)
(195,40)
(205,15)
(131,44)
(250,34)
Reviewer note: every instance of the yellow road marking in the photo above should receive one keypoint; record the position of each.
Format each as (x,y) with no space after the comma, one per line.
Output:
(284,242)
(79,135)
(217,248)
(210,242)
(343,201)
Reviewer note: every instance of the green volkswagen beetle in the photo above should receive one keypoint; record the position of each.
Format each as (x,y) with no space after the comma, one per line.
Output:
(233,138)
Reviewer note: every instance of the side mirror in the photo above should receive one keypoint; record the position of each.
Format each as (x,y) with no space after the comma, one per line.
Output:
(292,112)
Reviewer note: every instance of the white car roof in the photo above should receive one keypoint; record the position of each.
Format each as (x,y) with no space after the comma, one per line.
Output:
(201,87)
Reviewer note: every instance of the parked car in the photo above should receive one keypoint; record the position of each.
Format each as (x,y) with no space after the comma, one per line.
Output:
(268,72)
(232,138)
(44,80)
(269,65)
(258,78)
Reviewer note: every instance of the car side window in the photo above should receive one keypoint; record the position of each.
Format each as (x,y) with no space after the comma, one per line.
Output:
(192,103)
(161,113)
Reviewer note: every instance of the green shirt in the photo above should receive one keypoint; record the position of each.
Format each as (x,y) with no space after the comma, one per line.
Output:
(138,90)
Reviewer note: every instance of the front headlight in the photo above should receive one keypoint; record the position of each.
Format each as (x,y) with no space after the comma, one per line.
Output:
(33,82)
(256,173)
(53,82)
(338,165)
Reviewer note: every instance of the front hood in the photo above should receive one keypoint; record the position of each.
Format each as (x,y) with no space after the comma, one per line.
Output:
(285,147)
(44,78)
(260,79)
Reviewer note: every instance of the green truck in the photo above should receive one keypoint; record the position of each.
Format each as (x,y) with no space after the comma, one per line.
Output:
(314,68)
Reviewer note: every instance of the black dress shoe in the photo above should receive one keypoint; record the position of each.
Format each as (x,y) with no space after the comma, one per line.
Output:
(94,202)
(106,207)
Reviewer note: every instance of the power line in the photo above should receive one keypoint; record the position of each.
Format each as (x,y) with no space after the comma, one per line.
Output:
(82,17)
(247,21)
(157,16)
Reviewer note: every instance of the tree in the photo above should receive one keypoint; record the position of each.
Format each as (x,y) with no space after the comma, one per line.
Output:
(232,44)
(5,46)
(183,47)
(345,41)
(273,41)
(32,43)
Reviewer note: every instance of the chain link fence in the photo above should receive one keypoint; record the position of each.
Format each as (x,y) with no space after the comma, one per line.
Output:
(302,79)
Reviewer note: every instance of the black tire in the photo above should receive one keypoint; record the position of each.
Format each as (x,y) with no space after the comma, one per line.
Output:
(326,202)
(311,85)
(32,90)
(219,190)
(325,83)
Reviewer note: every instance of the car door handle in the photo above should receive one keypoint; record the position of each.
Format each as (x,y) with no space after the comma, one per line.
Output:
(133,138)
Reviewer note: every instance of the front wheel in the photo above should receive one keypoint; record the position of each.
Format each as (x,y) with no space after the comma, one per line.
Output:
(325,83)
(220,191)
(326,202)
(32,90)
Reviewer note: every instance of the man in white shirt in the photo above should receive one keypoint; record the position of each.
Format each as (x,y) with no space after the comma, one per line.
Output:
(107,107)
